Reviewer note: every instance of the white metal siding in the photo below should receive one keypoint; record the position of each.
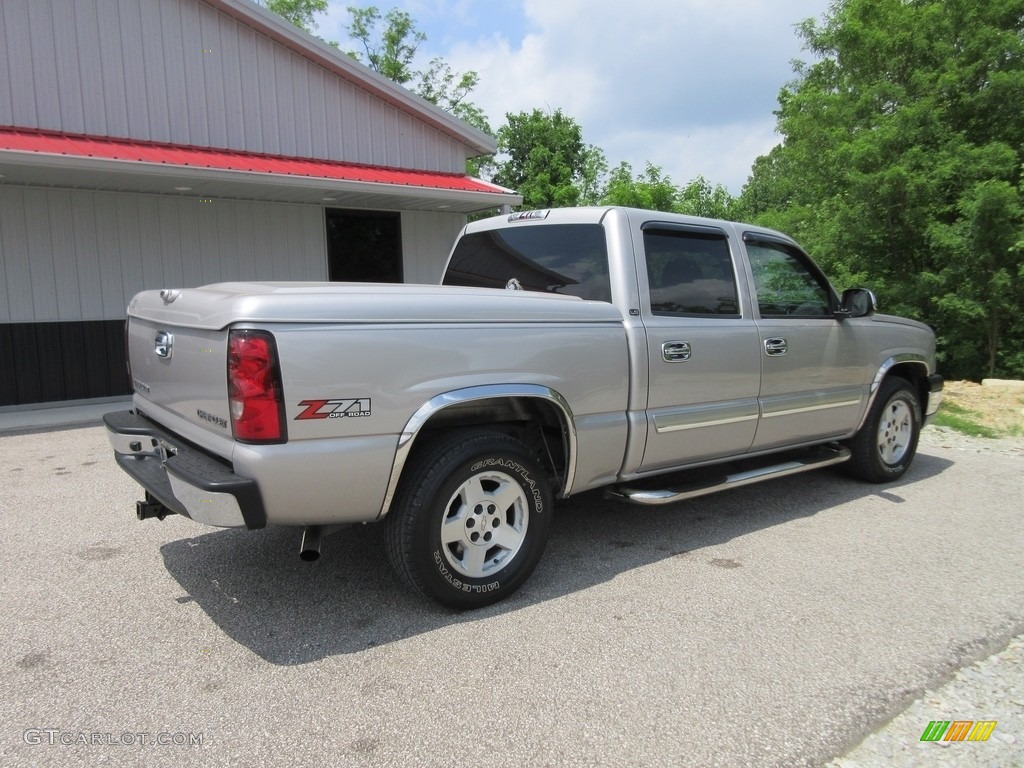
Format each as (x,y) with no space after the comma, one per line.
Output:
(81,255)
(427,238)
(180,71)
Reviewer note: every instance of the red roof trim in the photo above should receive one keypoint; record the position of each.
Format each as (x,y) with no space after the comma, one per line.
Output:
(77,145)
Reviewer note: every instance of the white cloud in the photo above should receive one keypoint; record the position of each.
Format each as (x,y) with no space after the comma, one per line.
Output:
(688,85)
(722,154)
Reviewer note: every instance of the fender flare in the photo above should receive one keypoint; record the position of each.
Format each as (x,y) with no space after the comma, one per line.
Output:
(485,392)
(912,358)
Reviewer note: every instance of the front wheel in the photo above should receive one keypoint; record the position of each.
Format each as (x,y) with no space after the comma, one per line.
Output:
(470,519)
(885,446)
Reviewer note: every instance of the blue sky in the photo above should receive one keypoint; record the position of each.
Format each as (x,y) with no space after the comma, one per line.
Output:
(689,85)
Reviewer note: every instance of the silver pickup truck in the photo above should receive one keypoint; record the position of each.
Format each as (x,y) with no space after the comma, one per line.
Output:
(661,357)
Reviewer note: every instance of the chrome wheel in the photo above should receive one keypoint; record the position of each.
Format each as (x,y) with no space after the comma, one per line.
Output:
(485,524)
(895,431)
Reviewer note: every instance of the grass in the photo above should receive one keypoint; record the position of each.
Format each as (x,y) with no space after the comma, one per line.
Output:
(963,420)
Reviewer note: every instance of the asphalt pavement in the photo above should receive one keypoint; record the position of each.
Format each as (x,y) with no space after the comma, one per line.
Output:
(773,625)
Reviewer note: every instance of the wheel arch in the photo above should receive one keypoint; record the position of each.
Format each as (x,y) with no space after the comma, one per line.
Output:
(507,407)
(910,366)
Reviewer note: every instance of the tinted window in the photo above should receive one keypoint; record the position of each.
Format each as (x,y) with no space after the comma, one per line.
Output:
(690,274)
(555,258)
(787,285)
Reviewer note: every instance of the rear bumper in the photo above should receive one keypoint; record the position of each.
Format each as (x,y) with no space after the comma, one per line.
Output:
(183,478)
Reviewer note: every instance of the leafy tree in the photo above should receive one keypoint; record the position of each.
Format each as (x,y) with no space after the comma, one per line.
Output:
(298,12)
(439,85)
(650,190)
(985,268)
(392,52)
(654,191)
(901,161)
(544,158)
(592,178)
(390,44)
(699,198)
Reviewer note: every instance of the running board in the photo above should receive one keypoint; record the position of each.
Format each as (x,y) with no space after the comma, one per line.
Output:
(822,457)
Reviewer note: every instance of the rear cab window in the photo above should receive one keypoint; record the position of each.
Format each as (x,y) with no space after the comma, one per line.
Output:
(570,259)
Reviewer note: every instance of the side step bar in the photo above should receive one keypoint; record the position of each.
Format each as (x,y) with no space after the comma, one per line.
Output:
(822,457)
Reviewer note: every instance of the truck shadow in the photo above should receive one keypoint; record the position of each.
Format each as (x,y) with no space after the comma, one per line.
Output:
(257,591)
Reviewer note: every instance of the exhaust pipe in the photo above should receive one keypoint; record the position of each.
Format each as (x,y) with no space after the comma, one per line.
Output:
(309,550)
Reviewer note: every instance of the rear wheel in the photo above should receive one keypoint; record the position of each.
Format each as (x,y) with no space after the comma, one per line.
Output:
(470,520)
(885,446)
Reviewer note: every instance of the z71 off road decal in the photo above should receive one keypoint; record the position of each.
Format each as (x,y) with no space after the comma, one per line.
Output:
(334,409)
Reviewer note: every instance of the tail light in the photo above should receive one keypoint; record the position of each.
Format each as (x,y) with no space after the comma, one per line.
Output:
(254,388)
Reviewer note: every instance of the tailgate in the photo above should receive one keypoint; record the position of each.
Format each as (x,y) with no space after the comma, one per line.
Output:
(182,370)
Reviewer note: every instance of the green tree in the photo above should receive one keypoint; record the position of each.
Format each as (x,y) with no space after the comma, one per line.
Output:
(298,12)
(390,44)
(650,190)
(979,283)
(544,158)
(901,163)
(391,51)
(439,85)
(654,191)
(700,198)
(592,178)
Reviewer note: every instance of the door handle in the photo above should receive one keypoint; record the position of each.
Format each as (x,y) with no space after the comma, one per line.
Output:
(776,347)
(675,351)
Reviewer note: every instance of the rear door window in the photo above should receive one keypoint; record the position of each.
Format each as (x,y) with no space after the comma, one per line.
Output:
(690,273)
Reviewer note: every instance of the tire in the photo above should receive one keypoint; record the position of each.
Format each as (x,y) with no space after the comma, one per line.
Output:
(470,519)
(885,446)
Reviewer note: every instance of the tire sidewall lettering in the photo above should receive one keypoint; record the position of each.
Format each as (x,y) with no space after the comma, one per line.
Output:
(435,473)
(459,584)
(521,475)
(521,472)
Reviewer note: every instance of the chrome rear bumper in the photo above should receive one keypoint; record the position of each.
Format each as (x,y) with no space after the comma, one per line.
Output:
(181,477)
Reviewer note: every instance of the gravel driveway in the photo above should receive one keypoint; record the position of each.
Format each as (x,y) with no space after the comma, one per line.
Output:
(774,625)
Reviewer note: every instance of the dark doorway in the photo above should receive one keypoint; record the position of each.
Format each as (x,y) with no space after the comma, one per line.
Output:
(364,246)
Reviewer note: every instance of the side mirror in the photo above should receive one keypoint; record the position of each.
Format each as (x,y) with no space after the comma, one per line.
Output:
(857,302)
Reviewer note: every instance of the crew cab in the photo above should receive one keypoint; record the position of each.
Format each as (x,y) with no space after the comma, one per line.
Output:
(658,356)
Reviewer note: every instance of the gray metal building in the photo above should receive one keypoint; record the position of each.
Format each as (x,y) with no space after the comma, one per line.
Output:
(169,143)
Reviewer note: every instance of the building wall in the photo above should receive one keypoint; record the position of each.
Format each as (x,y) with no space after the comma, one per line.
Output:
(81,255)
(427,239)
(69,255)
(179,71)
(70,261)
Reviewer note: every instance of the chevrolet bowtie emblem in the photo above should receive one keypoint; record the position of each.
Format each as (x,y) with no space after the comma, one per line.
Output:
(164,344)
